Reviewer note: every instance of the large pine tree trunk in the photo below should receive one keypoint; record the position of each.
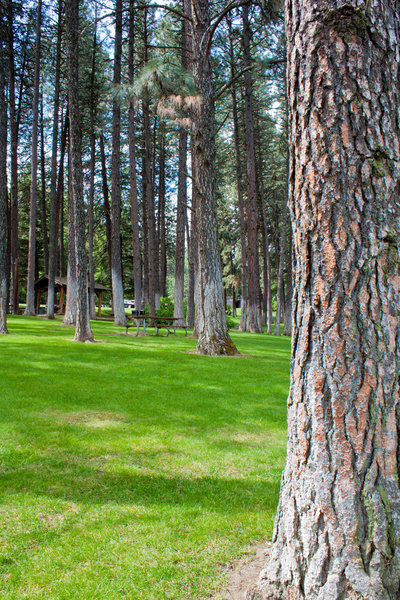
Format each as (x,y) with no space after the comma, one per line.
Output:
(213,337)
(83,332)
(3,180)
(117,282)
(30,284)
(337,531)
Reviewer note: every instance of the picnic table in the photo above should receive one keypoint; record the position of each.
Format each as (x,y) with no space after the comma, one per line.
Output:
(167,323)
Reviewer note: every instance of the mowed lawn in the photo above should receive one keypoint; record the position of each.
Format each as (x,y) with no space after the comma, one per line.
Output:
(132,468)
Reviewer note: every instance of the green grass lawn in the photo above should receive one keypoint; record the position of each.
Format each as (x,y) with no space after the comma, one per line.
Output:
(131,468)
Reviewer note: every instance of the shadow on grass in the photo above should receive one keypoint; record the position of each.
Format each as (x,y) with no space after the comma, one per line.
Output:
(87,485)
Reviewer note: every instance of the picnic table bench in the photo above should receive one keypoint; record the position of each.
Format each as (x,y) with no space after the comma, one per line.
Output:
(159,323)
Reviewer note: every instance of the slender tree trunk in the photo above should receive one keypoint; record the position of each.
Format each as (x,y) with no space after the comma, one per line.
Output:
(117,282)
(133,192)
(30,287)
(60,199)
(180,229)
(213,337)
(253,313)
(181,215)
(92,300)
(337,531)
(14,261)
(239,184)
(83,333)
(45,239)
(161,221)
(282,253)
(3,179)
(53,178)
(267,307)
(191,268)
(72,285)
(287,329)
(107,209)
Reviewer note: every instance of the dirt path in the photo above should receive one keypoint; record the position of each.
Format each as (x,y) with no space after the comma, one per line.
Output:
(243,574)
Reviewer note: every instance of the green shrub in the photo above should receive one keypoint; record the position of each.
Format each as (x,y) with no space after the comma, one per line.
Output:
(230,322)
(228,310)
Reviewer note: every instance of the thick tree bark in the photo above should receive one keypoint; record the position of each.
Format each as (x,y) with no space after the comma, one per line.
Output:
(253,322)
(53,177)
(133,193)
(3,179)
(213,337)
(337,531)
(117,282)
(30,284)
(83,332)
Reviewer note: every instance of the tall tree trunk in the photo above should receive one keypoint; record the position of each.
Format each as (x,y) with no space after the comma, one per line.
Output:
(181,215)
(267,305)
(107,209)
(92,300)
(60,198)
(43,210)
(53,177)
(117,282)
(287,328)
(133,192)
(30,285)
(180,229)
(192,253)
(253,321)
(3,179)
(282,253)
(83,333)
(14,260)
(213,337)
(239,184)
(337,531)
(72,285)
(161,220)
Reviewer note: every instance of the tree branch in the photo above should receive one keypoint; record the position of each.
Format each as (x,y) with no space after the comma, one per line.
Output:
(227,85)
(218,20)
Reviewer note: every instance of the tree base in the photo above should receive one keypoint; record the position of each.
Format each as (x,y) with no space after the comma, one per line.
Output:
(216,347)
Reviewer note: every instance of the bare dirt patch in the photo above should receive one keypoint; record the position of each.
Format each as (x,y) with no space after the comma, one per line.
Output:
(243,574)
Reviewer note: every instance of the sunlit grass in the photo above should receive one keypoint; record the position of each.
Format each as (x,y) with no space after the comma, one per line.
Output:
(131,468)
